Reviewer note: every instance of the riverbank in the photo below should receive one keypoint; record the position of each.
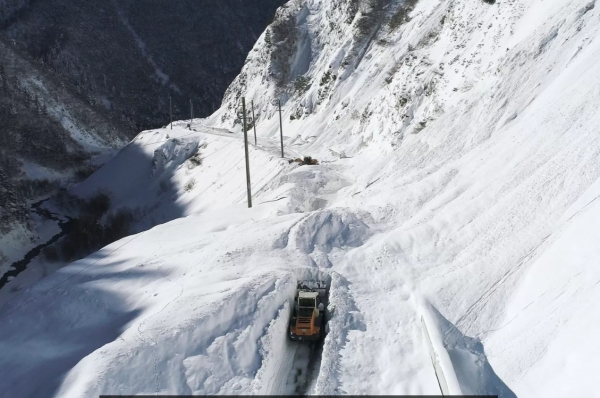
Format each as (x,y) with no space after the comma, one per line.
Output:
(50,227)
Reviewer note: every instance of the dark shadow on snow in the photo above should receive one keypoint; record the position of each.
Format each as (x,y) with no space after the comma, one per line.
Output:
(85,230)
(42,341)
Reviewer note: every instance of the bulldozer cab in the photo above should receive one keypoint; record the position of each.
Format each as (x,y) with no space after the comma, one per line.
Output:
(307,301)
(308,312)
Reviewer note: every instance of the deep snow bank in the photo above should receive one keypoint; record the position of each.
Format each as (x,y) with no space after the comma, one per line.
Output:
(468,131)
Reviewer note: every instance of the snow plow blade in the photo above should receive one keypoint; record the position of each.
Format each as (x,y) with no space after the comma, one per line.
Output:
(307,322)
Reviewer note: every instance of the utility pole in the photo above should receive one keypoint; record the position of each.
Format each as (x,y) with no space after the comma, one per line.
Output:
(171,111)
(246,150)
(280,127)
(254,122)
(191,113)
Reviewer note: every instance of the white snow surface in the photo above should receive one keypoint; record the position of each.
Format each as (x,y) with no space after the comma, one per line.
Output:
(458,185)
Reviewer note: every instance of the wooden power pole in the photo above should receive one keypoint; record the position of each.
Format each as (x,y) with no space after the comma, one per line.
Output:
(171,111)
(254,122)
(246,150)
(280,127)
(191,113)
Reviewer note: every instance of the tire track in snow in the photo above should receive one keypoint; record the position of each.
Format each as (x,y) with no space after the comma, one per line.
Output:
(319,232)
(310,355)
(289,368)
(297,364)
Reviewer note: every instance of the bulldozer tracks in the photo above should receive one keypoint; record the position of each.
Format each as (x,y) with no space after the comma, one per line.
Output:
(307,363)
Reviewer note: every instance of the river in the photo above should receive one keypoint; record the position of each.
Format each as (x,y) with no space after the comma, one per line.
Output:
(19,266)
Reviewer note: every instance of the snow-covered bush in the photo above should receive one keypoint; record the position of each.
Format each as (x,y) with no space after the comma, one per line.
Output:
(189,185)
(84,172)
(93,229)
(401,15)
(97,205)
(88,234)
(302,84)
(370,16)
(51,254)
(163,186)
(195,160)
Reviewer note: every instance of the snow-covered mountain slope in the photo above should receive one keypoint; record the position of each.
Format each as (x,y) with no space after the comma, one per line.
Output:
(472,130)
(127,58)
(457,187)
(48,134)
(165,174)
(76,80)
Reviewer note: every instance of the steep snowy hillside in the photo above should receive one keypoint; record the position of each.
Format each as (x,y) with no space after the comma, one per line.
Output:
(127,57)
(80,78)
(471,133)
(48,134)
(453,215)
